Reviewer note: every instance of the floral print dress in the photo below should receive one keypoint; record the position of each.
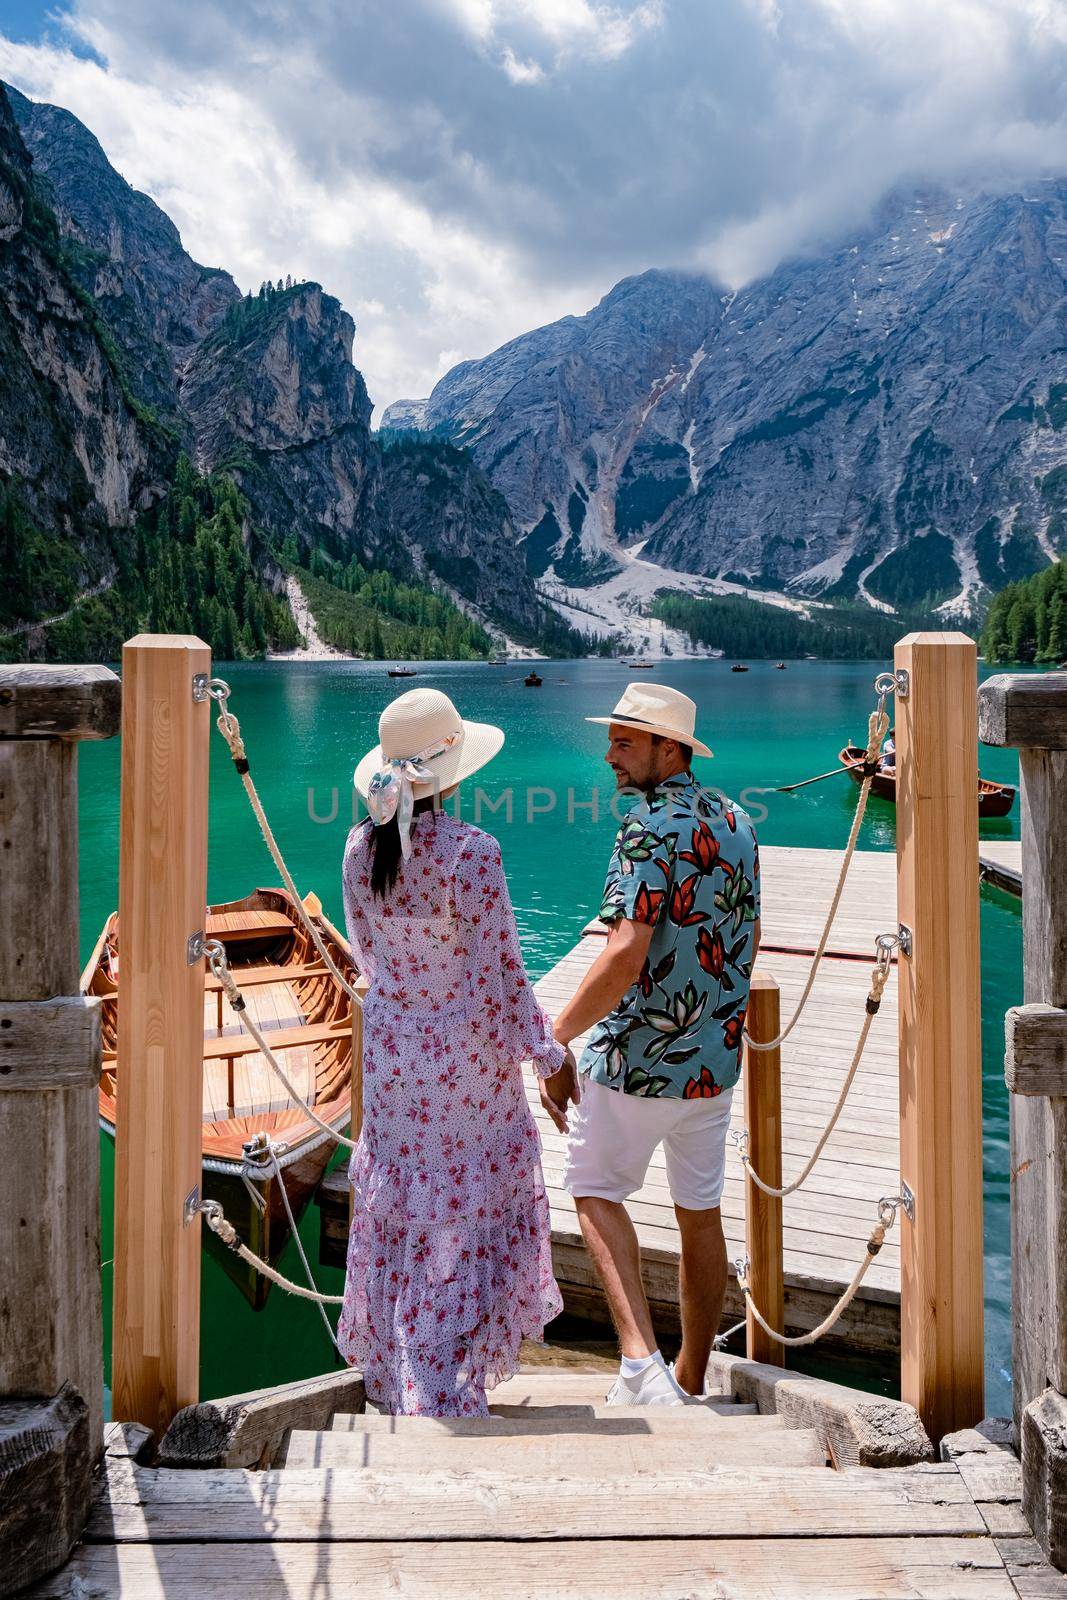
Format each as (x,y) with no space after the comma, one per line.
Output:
(449,1256)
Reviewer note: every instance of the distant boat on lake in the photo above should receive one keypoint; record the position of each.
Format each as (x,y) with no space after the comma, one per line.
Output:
(994,799)
(779,666)
(737,667)
(532,680)
(403,672)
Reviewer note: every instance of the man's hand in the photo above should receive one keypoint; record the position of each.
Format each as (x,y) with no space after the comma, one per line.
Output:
(560,1090)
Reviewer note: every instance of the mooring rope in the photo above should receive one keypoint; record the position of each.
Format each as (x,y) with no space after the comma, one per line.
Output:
(215,1218)
(887,1215)
(877,728)
(305,1263)
(230,729)
(885,944)
(220,966)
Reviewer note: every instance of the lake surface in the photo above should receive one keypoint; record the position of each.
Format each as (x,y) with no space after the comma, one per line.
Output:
(305,726)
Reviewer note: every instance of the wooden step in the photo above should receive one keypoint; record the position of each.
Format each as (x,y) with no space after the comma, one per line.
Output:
(607,1421)
(555,1386)
(634,1450)
(139,1503)
(649,1569)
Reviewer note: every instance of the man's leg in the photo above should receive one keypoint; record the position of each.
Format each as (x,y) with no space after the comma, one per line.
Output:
(702,1290)
(611,1240)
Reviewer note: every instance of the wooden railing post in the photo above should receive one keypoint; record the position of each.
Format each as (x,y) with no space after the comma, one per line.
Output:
(941,1314)
(763,1214)
(51,1336)
(162,902)
(1030,714)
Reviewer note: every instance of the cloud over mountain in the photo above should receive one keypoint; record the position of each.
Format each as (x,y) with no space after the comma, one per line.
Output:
(461,170)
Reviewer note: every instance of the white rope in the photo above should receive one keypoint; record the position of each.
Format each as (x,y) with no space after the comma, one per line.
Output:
(309,1275)
(887,1215)
(216,957)
(230,729)
(215,1218)
(879,978)
(877,727)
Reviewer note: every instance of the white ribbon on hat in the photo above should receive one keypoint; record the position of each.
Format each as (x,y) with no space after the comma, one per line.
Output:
(390,792)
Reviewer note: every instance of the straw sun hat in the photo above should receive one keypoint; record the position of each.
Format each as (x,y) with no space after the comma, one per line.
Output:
(422,737)
(654,708)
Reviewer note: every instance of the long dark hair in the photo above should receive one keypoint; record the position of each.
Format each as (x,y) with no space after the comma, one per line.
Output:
(385,849)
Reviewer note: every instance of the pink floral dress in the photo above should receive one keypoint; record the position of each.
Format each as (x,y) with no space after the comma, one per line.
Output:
(449,1256)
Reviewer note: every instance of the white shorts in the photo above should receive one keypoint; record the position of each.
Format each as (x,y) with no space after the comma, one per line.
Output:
(613,1136)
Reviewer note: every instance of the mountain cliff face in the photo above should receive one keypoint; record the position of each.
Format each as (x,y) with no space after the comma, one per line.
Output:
(262,387)
(884,420)
(77,458)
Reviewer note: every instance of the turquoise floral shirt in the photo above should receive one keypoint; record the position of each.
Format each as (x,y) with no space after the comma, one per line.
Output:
(685,862)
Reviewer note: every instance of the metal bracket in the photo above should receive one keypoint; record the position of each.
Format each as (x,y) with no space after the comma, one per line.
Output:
(194,948)
(191,1208)
(200,686)
(902,680)
(907,1195)
(904,939)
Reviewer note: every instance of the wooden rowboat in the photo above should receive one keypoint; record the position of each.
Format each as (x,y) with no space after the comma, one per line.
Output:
(994,799)
(299,1003)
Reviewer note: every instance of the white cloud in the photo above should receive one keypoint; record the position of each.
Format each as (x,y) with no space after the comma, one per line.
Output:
(460,170)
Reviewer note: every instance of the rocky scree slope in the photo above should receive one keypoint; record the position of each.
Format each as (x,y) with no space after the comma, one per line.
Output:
(885,419)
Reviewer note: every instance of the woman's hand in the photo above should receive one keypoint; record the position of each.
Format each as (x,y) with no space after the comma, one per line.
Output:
(560,1090)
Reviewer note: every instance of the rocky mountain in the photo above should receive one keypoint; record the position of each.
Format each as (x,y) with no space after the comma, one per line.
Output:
(78,458)
(262,387)
(884,419)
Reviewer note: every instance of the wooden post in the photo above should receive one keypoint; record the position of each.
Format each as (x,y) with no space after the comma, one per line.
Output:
(941,1312)
(162,902)
(763,1214)
(1030,714)
(51,1349)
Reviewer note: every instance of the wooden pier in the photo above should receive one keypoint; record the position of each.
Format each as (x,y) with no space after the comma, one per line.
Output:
(827,1222)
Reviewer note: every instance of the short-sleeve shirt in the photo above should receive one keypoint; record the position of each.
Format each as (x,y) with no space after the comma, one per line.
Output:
(685,862)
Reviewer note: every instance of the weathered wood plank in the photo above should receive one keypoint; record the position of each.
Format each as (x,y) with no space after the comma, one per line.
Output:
(1032,1576)
(60,702)
(606,1422)
(50,1044)
(1044,1467)
(46,1456)
(1024,711)
(564,1569)
(141,1503)
(249,1430)
(1035,1049)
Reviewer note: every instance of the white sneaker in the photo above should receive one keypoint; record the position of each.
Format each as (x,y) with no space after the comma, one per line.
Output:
(687,1398)
(654,1385)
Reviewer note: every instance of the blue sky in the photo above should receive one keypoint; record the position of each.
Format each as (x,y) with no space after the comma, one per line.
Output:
(459,171)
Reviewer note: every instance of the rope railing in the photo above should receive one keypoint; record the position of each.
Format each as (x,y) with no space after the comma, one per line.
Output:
(885,944)
(215,1218)
(877,728)
(887,1216)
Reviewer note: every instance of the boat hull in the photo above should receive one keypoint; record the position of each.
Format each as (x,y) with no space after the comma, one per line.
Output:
(994,800)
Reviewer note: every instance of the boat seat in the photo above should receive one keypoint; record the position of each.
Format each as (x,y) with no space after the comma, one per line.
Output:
(249,977)
(231,926)
(243,1044)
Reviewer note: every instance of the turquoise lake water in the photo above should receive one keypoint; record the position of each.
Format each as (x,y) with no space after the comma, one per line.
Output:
(305,725)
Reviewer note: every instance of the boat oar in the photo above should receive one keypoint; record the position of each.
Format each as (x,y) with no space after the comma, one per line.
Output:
(790,787)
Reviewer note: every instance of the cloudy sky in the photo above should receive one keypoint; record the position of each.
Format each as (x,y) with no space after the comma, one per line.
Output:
(458,171)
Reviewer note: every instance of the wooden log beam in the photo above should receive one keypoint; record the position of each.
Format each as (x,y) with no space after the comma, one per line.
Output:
(942,1355)
(763,1212)
(50,1044)
(162,902)
(1024,711)
(249,1430)
(1035,1050)
(38,702)
(46,1461)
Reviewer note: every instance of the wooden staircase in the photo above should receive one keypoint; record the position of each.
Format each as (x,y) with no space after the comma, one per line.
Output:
(558,1497)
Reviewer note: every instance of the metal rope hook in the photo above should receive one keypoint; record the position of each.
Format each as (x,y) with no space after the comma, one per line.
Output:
(877,727)
(887,1215)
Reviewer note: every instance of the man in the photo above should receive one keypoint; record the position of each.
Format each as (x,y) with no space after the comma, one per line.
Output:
(666,1002)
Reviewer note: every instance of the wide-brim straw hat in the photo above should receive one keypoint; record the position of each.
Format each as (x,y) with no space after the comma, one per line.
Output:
(655,708)
(424,724)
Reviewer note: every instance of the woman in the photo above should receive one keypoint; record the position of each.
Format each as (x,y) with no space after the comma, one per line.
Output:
(449,1258)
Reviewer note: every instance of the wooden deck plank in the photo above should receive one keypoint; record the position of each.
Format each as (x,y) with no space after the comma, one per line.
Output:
(474,1501)
(565,1569)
